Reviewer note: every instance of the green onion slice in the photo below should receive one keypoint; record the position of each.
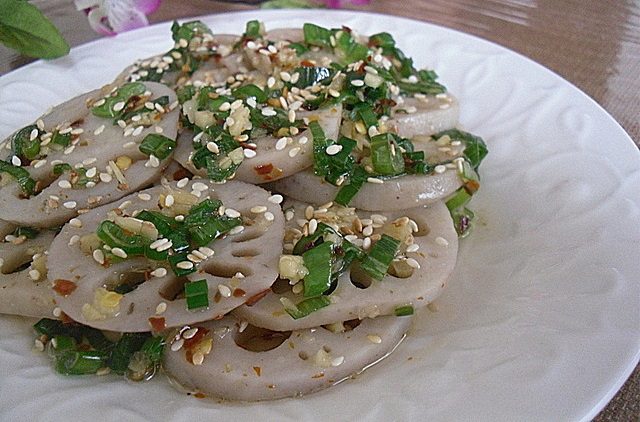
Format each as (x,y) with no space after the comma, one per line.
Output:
(308,306)
(157,145)
(196,294)
(22,176)
(405,310)
(319,263)
(377,261)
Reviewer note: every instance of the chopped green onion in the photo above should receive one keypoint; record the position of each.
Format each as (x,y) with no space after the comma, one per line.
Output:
(382,39)
(386,157)
(367,115)
(62,343)
(349,191)
(60,168)
(153,348)
(250,90)
(308,306)
(188,30)
(203,234)
(185,93)
(124,348)
(63,140)
(164,224)
(22,144)
(316,35)
(377,261)
(312,240)
(71,362)
(27,232)
(348,49)
(114,236)
(319,263)
(299,48)
(312,75)
(22,176)
(475,148)
(197,294)
(252,30)
(405,310)
(462,220)
(459,199)
(124,94)
(157,145)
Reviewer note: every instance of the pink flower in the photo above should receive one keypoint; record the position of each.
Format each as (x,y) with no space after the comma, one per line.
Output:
(109,17)
(336,4)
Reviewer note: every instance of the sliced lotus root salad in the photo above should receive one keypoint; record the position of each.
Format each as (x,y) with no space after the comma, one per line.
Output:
(391,173)
(24,288)
(231,360)
(88,151)
(341,264)
(168,256)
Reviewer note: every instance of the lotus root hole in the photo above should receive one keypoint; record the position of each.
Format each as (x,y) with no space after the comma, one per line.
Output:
(255,339)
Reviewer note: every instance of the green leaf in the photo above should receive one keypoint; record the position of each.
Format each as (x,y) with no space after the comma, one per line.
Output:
(25,29)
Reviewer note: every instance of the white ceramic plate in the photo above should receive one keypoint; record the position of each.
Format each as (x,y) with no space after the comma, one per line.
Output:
(542,318)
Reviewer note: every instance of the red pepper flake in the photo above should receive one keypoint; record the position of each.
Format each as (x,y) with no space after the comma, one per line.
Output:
(307,63)
(64,287)
(192,342)
(66,319)
(199,395)
(257,370)
(255,298)
(157,323)
(263,169)
(238,293)
(318,375)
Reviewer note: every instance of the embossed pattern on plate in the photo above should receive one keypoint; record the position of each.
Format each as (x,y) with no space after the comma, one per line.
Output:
(542,318)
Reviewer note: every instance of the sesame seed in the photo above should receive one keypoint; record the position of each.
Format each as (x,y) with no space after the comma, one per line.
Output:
(34,275)
(158,243)
(258,209)
(337,361)
(161,308)
(269,216)
(70,204)
(333,149)
(440,169)
(413,247)
(69,150)
(236,230)
(374,338)
(303,140)
(268,111)
(105,177)
(118,106)
(197,358)
(249,153)
(183,182)
(119,252)
(271,82)
(441,241)
(294,151)
(184,265)
(179,217)
(231,213)
(34,134)
(225,291)
(357,82)
(138,131)
(367,231)
(74,239)
(177,345)
(144,196)
(15,160)
(413,263)
(275,199)
(373,131)
(190,333)
(193,258)
(57,312)
(198,254)
(207,251)
(75,222)
(334,93)
(281,143)
(159,272)
(285,76)
(98,256)
(64,184)
(313,225)
(199,186)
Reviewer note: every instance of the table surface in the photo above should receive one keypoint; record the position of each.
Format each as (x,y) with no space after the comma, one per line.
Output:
(595,44)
